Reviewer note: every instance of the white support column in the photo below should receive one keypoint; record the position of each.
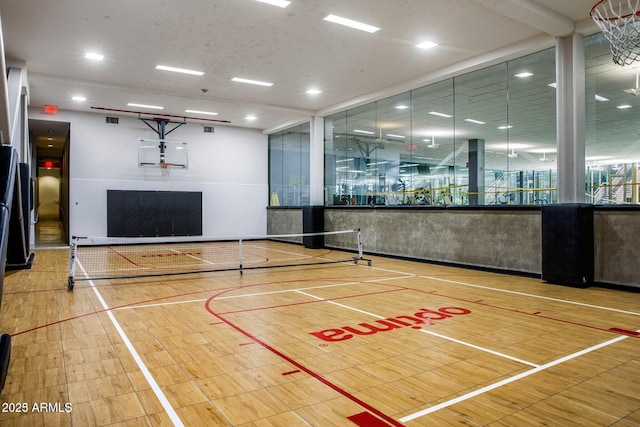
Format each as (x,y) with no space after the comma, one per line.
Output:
(15,92)
(316,162)
(570,116)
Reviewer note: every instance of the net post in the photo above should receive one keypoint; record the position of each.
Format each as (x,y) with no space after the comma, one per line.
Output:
(72,262)
(360,251)
(241,258)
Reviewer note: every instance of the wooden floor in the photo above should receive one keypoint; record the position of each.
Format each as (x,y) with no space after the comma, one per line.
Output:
(394,343)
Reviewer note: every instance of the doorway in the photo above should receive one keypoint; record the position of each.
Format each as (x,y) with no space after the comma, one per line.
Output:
(50,151)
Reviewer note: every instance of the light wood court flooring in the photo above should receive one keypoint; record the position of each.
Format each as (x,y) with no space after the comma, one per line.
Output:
(394,343)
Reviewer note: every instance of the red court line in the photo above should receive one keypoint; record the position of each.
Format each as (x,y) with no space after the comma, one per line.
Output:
(625,332)
(91,313)
(123,256)
(365,419)
(133,304)
(300,366)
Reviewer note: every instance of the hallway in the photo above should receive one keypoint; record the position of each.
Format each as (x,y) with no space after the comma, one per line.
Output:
(50,234)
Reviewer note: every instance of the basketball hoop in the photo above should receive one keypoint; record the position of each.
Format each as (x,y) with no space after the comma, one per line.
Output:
(619,21)
(164,168)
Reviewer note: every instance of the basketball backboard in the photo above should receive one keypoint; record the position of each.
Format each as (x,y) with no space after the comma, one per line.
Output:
(152,152)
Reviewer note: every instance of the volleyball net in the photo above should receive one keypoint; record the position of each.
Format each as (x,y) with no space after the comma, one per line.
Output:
(106,258)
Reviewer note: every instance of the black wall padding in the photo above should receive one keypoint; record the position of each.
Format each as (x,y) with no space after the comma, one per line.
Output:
(153,213)
(568,244)
(313,222)
(5,356)
(18,203)
(8,162)
(17,252)
(7,181)
(26,188)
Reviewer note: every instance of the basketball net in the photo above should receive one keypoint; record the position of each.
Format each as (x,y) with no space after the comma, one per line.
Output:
(164,168)
(619,21)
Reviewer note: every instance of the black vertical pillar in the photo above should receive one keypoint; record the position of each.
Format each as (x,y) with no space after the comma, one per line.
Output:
(568,244)
(26,186)
(476,172)
(313,222)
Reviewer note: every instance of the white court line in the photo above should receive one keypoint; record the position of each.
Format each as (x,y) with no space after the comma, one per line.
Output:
(152,382)
(495,353)
(193,256)
(509,380)
(532,295)
(161,304)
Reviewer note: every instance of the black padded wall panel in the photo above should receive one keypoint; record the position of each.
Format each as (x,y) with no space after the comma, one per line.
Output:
(153,213)
(313,222)
(568,244)
(115,213)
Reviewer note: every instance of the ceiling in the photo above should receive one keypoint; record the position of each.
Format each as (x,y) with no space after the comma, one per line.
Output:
(292,47)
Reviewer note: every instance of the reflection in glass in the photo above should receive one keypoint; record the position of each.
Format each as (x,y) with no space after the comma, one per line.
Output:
(413,148)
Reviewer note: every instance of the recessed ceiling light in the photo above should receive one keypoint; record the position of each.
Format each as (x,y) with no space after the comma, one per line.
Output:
(435,113)
(179,70)
(279,3)
(365,132)
(553,85)
(251,117)
(50,145)
(351,23)
(392,135)
(152,107)
(601,98)
(208,113)
(427,45)
(402,107)
(314,91)
(94,56)
(49,139)
(79,98)
(524,75)
(251,82)
(623,106)
(478,122)
(505,127)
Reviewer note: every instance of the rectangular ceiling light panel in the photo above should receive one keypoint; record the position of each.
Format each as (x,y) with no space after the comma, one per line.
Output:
(251,82)
(352,24)
(179,70)
(279,3)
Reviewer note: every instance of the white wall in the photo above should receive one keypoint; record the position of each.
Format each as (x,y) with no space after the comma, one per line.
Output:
(228,166)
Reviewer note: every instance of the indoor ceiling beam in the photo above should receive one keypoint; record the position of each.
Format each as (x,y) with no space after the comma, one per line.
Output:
(532,14)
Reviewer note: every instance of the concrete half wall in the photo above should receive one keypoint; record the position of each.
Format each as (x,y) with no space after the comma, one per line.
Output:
(505,238)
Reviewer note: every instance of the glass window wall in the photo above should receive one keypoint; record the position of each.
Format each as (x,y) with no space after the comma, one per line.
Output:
(486,137)
(289,166)
(612,127)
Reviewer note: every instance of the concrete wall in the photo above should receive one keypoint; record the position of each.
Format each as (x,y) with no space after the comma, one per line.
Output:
(617,250)
(504,238)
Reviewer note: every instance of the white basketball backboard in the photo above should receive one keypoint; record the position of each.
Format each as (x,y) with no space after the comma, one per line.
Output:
(152,152)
